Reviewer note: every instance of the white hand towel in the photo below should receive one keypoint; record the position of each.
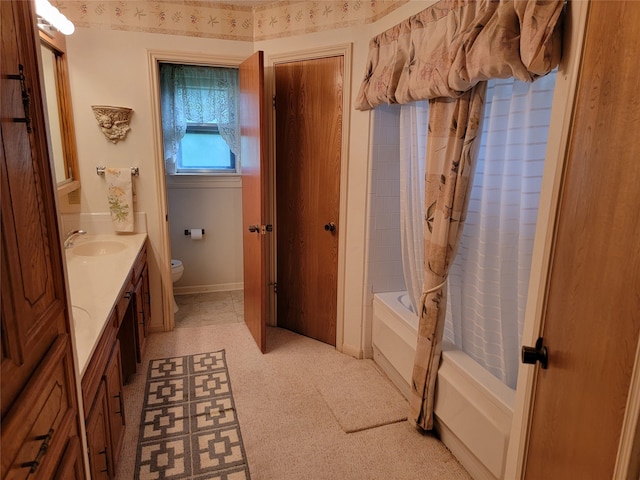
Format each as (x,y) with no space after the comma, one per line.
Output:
(120,197)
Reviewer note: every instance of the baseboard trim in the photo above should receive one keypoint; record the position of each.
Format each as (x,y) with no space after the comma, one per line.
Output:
(468,460)
(355,352)
(221,287)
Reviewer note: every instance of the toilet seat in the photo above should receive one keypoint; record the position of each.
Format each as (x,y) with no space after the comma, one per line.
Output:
(176,273)
(176,269)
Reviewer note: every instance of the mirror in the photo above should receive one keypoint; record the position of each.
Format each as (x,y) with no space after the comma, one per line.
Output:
(58,99)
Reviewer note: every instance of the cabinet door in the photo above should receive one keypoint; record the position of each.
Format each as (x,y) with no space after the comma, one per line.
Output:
(142,312)
(98,438)
(71,466)
(34,310)
(36,431)
(127,336)
(115,402)
(146,298)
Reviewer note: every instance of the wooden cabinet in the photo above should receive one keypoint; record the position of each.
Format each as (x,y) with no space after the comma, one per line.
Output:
(38,427)
(33,294)
(106,418)
(98,443)
(114,360)
(38,395)
(103,401)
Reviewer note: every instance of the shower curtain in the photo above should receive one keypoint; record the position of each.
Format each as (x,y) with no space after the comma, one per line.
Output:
(414,119)
(445,53)
(488,280)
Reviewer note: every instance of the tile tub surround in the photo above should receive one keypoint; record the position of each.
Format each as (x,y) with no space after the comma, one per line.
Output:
(95,283)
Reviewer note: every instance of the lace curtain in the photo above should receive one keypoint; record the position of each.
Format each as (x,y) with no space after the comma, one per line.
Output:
(197,94)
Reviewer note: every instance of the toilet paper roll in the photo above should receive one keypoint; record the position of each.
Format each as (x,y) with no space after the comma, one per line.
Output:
(196,234)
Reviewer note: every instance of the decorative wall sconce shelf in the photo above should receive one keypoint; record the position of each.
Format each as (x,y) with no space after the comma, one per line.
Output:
(113,121)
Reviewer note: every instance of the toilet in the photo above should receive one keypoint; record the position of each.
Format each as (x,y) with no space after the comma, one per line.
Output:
(176,273)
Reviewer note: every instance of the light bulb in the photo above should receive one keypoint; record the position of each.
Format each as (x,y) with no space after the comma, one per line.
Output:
(52,15)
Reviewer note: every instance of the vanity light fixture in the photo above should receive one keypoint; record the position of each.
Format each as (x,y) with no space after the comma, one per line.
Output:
(52,16)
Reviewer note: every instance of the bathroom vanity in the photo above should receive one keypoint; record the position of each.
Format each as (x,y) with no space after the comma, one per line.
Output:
(109,287)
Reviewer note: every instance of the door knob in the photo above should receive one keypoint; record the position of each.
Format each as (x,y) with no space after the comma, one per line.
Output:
(254,228)
(330,227)
(539,353)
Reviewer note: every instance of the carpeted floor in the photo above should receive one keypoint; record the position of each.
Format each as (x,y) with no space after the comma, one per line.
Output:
(296,405)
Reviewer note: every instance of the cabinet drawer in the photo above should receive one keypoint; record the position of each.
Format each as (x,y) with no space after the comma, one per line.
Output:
(35,433)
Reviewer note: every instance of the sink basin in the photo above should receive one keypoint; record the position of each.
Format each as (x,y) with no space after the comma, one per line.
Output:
(98,248)
(79,314)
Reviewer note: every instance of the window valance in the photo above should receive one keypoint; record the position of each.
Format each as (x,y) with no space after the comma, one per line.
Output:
(449,47)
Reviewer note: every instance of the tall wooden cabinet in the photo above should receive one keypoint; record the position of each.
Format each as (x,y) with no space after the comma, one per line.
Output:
(39,414)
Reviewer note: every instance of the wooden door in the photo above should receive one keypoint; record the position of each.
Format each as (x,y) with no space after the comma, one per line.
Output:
(254,192)
(591,320)
(308,157)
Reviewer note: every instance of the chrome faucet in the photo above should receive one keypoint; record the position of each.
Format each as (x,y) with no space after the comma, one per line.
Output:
(68,241)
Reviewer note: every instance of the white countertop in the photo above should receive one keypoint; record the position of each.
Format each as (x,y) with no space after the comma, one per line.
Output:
(95,283)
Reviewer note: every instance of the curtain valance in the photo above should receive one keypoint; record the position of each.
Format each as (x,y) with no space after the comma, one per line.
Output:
(449,47)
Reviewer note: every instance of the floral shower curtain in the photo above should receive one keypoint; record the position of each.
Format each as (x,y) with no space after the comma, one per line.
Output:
(445,53)
(197,94)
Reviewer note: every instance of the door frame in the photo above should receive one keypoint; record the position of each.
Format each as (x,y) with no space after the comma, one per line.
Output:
(543,251)
(154,57)
(344,50)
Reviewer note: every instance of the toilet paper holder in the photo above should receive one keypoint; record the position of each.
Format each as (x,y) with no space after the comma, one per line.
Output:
(188,231)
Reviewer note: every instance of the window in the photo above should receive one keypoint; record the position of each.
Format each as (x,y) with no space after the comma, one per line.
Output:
(203,150)
(199,119)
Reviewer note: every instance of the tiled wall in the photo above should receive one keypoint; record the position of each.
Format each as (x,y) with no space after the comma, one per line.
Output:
(385,261)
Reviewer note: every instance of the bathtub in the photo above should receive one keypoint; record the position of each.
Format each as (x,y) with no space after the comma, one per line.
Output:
(473,409)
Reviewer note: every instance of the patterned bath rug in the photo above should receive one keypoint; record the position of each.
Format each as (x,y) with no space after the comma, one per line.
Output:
(189,428)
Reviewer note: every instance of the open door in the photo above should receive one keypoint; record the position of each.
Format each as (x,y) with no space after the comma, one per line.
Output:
(254,190)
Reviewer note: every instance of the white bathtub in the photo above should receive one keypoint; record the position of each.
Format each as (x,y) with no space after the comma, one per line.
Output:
(473,408)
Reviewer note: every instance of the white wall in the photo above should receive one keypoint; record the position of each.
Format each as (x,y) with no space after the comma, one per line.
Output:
(215,262)
(110,67)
